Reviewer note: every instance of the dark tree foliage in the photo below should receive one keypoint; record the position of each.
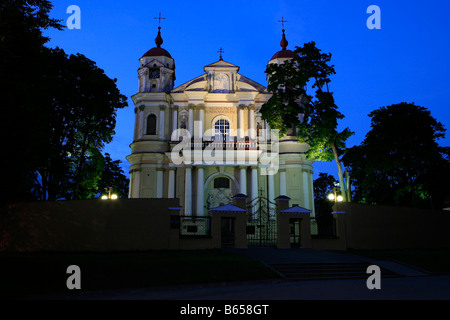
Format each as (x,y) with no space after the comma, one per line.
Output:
(81,120)
(22,112)
(400,161)
(57,111)
(314,115)
(113,177)
(323,186)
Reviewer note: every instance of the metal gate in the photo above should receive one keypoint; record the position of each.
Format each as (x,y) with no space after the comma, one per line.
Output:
(261,223)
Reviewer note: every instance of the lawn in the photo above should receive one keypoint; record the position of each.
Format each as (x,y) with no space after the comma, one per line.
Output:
(432,260)
(24,274)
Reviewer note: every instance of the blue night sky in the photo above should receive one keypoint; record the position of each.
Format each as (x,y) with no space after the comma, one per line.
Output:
(405,61)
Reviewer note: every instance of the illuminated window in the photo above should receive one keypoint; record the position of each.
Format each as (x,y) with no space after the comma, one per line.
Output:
(151,124)
(222,129)
(221,182)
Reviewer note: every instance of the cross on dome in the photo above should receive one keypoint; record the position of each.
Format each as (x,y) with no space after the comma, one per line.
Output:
(220,51)
(159,19)
(282,22)
(159,40)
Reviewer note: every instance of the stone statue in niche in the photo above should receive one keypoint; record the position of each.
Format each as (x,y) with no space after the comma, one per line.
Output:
(219,197)
(221,83)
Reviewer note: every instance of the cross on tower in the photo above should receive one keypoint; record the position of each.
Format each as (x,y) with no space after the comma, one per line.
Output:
(282,22)
(220,51)
(159,18)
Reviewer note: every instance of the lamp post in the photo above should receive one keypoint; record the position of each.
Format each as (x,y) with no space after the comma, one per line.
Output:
(110,196)
(334,196)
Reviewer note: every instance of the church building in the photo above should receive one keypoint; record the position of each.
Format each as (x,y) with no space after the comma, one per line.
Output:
(204,141)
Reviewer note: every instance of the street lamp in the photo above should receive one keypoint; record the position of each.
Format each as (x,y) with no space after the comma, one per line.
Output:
(334,196)
(111,196)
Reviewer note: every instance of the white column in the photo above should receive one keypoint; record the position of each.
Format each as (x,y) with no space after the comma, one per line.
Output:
(306,188)
(200,193)
(175,123)
(271,193)
(159,183)
(283,182)
(171,185)
(243,180)
(271,187)
(136,183)
(188,191)
(136,123)
(141,122)
(251,123)
(267,131)
(202,122)
(191,121)
(161,122)
(254,192)
(240,126)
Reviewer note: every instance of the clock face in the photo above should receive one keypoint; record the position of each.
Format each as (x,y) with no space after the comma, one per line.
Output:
(154,73)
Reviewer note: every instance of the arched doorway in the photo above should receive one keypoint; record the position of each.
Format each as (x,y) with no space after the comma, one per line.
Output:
(219,189)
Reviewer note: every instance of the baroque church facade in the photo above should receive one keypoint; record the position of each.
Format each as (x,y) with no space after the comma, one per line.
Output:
(205,142)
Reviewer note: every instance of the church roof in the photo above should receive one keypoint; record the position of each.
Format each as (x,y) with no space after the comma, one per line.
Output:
(157,51)
(227,208)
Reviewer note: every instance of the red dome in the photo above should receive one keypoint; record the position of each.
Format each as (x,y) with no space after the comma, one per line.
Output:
(285,53)
(157,51)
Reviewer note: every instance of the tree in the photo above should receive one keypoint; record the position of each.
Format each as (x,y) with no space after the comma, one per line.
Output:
(323,186)
(59,111)
(400,161)
(315,116)
(114,178)
(21,116)
(81,116)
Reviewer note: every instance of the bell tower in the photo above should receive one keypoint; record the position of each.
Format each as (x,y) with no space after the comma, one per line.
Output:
(157,67)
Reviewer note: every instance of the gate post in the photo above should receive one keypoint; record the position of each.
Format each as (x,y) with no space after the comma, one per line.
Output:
(282,222)
(240,200)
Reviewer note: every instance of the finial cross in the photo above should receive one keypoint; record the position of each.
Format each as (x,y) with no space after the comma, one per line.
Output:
(282,21)
(220,51)
(159,18)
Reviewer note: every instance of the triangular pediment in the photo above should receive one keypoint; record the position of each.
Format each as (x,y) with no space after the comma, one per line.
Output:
(221,64)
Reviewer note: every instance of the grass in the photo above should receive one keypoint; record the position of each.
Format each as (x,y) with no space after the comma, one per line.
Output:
(30,274)
(432,260)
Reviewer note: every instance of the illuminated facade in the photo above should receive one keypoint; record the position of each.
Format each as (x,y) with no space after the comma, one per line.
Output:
(204,141)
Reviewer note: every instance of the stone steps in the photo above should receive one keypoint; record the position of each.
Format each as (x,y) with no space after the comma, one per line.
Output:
(327,271)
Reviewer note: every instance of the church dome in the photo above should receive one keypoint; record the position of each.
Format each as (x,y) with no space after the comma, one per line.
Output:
(284,53)
(157,51)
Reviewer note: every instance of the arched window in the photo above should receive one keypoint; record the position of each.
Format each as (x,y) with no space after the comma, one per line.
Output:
(151,124)
(222,129)
(221,182)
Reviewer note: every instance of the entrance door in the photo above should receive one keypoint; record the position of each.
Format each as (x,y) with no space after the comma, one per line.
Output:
(227,232)
(294,233)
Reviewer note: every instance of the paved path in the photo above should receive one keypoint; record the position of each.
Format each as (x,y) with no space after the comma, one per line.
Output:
(413,284)
(270,256)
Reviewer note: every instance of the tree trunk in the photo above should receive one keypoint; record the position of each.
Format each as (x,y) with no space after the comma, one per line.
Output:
(340,173)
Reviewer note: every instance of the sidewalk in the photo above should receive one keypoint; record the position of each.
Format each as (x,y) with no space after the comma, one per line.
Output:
(411,284)
(270,256)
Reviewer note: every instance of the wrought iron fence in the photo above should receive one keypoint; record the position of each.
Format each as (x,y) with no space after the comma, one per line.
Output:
(194,226)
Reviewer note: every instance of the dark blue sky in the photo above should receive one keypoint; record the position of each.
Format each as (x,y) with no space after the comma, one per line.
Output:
(407,60)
